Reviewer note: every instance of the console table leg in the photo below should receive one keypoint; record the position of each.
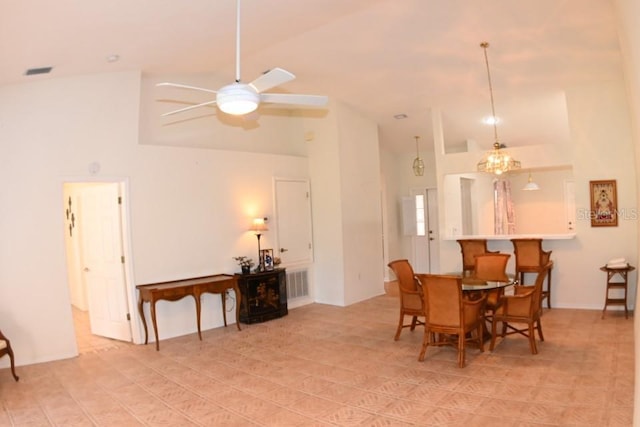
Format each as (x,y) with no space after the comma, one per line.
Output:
(198,305)
(155,324)
(224,307)
(144,321)
(236,289)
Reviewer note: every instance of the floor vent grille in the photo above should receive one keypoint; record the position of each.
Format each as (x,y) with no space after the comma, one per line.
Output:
(297,284)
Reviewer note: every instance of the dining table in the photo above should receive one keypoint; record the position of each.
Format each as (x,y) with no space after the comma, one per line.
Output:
(471,284)
(474,288)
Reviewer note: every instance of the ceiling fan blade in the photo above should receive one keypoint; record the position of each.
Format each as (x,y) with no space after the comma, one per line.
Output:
(181,86)
(294,99)
(190,107)
(272,78)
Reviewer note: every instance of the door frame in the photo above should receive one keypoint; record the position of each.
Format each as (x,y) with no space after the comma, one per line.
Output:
(125,211)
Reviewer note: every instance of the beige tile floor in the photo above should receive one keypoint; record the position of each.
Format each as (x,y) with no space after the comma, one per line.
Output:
(331,366)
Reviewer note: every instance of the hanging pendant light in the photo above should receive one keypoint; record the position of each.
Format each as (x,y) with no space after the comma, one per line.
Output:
(418,164)
(496,161)
(531,186)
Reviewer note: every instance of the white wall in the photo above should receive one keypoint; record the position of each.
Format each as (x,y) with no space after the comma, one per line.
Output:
(344,166)
(360,190)
(51,130)
(189,207)
(325,173)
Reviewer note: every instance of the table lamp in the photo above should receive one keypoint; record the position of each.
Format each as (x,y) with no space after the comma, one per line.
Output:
(258,226)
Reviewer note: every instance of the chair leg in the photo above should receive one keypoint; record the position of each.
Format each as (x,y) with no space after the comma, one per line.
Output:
(461,339)
(426,339)
(414,321)
(480,334)
(399,330)
(493,334)
(539,326)
(549,289)
(532,339)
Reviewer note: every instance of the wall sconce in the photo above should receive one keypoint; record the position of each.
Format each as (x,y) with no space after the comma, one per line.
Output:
(258,226)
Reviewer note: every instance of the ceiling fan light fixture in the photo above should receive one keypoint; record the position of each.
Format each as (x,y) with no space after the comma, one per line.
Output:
(237,99)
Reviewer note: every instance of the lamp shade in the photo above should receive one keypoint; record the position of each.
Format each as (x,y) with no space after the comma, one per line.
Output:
(258,225)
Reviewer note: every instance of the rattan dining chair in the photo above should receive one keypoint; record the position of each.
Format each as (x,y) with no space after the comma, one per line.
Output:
(522,308)
(469,249)
(450,319)
(531,258)
(411,301)
(492,267)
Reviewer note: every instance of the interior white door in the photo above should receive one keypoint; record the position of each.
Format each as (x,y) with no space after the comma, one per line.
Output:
(293,216)
(102,251)
(417,215)
(433,228)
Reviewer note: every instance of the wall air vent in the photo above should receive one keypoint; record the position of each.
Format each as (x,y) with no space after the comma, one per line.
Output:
(40,70)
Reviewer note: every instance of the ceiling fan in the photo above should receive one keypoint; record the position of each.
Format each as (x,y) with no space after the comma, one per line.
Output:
(240,98)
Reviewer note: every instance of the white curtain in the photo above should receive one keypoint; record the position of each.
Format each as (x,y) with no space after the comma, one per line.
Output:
(504,217)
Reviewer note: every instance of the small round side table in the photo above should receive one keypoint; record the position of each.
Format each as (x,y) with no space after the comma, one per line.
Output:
(624,275)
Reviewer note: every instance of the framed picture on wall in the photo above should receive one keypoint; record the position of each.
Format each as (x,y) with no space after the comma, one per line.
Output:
(604,203)
(266,258)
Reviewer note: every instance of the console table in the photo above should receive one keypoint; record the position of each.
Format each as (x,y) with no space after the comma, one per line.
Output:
(264,295)
(622,285)
(178,289)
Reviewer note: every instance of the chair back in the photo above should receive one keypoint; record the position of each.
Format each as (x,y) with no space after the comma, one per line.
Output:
(443,300)
(469,249)
(537,294)
(408,285)
(491,266)
(529,253)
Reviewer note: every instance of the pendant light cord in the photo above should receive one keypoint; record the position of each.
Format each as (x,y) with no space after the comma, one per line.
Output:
(484,46)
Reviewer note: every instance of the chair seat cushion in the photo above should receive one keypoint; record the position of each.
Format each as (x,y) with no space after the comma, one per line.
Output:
(3,344)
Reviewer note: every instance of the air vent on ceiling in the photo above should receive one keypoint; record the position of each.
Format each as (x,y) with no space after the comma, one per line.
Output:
(40,70)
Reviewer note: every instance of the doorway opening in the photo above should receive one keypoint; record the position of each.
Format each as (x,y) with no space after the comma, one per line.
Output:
(96,239)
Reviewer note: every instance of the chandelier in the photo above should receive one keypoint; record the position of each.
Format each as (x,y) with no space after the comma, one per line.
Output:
(418,164)
(496,161)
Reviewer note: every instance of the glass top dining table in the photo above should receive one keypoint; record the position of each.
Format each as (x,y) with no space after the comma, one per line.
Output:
(470,283)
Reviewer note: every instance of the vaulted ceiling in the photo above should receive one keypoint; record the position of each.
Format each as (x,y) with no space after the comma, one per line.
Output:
(383,57)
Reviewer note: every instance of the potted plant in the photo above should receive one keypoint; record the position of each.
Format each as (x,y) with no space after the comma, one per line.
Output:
(244,263)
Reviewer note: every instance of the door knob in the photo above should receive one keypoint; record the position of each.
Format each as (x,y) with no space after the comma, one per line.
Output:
(86,269)
(283,250)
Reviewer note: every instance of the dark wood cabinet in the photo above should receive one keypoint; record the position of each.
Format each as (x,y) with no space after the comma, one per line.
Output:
(264,295)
